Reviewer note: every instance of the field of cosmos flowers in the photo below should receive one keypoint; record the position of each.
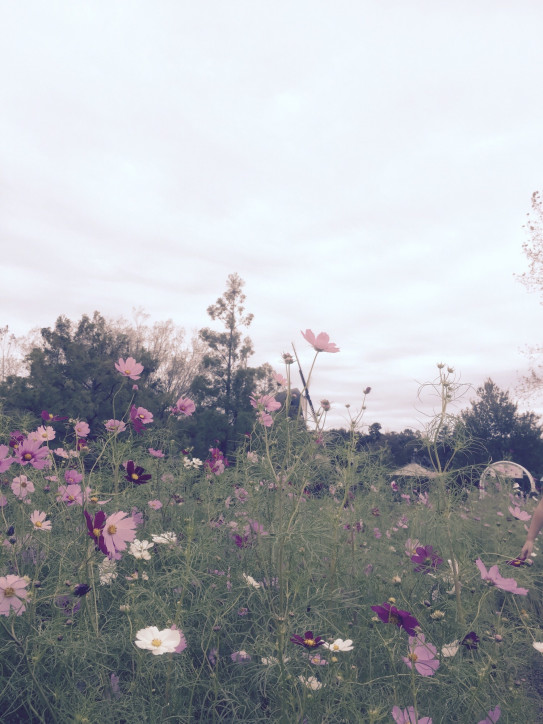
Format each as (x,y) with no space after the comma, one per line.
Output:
(296,582)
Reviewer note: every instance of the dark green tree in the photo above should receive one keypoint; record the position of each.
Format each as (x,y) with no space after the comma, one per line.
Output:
(72,372)
(227,382)
(501,431)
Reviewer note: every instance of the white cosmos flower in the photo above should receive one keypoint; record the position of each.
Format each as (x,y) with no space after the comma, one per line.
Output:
(250,581)
(311,682)
(158,642)
(271,660)
(538,646)
(450,649)
(340,645)
(107,570)
(164,538)
(140,549)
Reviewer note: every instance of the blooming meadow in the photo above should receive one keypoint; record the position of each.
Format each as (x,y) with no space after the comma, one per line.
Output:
(296,581)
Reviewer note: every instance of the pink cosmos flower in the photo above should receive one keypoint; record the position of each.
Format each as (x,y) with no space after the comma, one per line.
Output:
(422,656)
(12,594)
(320,343)
(3,501)
(115,426)
(139,417)
(81,429)
(266,402)
(130,368)
(240,657)
(408,716)
(5,458)
(516,512)
(119,529)
(72,477)
(492,716)
(43,433)
(183,407)
(156,453)
(264,419)
(154,504)
(494,578)
(70,494)
(22,487)
(182,645)
(30,452)
(279,380)
(38,521)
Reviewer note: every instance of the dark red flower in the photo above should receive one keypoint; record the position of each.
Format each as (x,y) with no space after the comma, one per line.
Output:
(308,641)
(81,589)
(136,474)
(517,562)
(426,559)
(403,619)
(49,417)
(95,528)
(470,640)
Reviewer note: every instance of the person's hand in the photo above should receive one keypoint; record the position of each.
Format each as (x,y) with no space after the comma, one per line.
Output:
(527,549)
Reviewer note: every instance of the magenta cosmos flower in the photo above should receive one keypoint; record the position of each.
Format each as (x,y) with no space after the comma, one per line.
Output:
(408,716)
(129,368)
(136,474)
(308,641)
(426,559)
(494,578)
(119,529)
(403,619)
(30,452)
(184,407)
(49,417)
(422,656)
(320,343)
(13,593)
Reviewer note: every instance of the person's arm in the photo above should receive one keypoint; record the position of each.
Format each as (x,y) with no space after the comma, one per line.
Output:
(535,526)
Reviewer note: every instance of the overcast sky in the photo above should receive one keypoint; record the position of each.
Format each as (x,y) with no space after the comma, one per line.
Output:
(365,167)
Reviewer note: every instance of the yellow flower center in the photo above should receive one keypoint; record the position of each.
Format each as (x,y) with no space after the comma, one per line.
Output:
(156,642)
(96,532)
(9,592)
(135,477)
(27,456)
(37,524)
(335,647)
(71,497)
(128,372)
(111,529)
(392,618)
(94,499)
(412,657)
(309,642)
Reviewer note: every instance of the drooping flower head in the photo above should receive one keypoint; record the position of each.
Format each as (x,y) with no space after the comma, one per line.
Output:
(308,640)
(426,559)
(13,594)
(320,343)
(402,619)
(184,407)
(129,368)
(31,452)
(494,578)
(119,529)
(115,426)
(49,417)
(422,656)
(470,640)
(519,514)
(158,642)
(136,474)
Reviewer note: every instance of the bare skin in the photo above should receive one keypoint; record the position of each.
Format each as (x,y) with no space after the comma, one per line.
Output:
(535,526)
